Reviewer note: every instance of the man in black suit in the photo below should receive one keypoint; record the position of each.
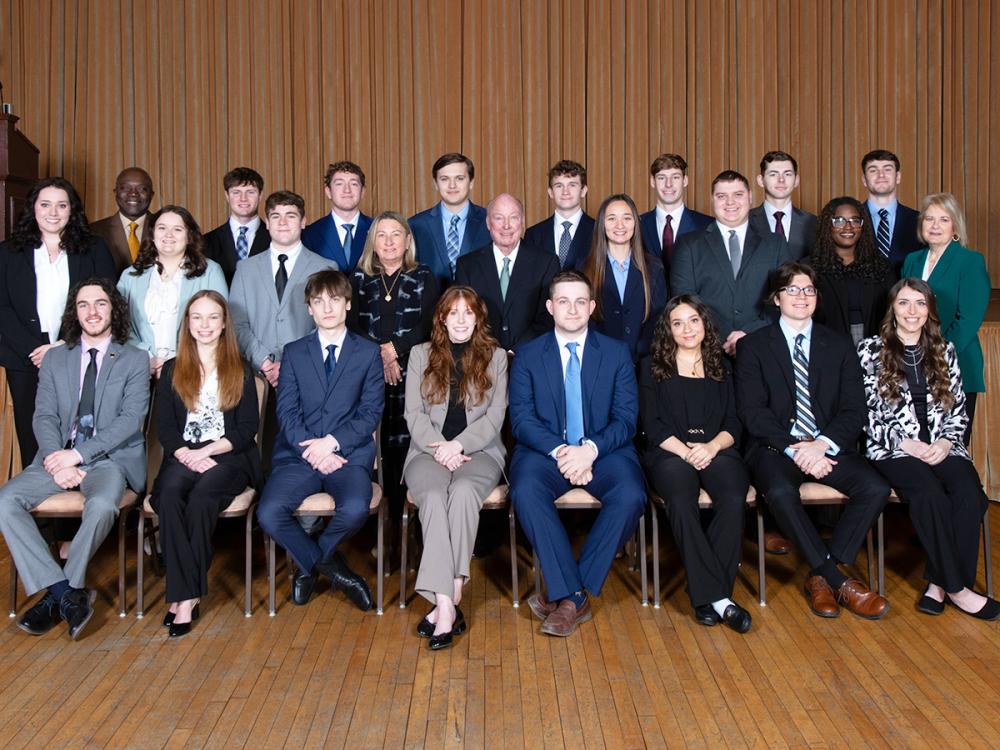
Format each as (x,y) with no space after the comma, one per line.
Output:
(728,263)
(123,230)
(568,232)
(244,234)
(670,219)
(802,401)
(894,225)
(512,277)
(779,176)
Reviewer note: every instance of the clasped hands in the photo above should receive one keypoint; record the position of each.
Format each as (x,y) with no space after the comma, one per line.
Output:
(449,454)
(576,463)
(196,459)
(320,454)
(810,456)
(701,454)
(63,466)
(933,453)
(390,364)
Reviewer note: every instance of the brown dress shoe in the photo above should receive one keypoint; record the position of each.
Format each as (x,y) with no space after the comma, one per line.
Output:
(856,597)
(821,598)
(564,620)
(540,606)
(776,544)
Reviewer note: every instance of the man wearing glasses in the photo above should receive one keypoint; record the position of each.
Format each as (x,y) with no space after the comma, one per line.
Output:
(802,401)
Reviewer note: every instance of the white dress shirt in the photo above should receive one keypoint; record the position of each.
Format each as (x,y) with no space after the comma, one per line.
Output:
(558,228)
(161,308)
(661,222)
(786,218)
(52,288)
(292,254)
(252,226)
(741,236)
(499,257)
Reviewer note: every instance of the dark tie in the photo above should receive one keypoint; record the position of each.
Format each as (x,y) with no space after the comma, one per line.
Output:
(735,254)
(85,411)
(564,242)
(779,228)
(241,244)
(453,243)
(574,397)
(281,277)
(348,241)
(668,239)
(331,361)
(804,419)
(882,237)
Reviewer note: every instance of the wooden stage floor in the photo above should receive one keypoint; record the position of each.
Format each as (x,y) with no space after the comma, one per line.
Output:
(326,675)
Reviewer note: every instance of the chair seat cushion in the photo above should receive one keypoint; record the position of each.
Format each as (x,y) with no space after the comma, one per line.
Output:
(815,493)
(497,498)
(237,507)
(577,498)
(71,503)
(323,504)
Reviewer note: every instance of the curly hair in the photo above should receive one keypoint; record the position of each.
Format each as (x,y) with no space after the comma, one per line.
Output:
(75,236)
(475,360)
(891,374)
(71,328)
(664,348)
(596,264)
(194,261)
(868,261)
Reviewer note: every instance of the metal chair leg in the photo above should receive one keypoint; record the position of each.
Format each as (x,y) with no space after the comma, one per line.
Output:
(140,564)
(13,589)
(404,534)
(122,606)
(247,570)
(514,587)
(761,577)
(880,532)
(656,557)
(870,556)
(987,553)
(269,545)
(381,552)
(642,560)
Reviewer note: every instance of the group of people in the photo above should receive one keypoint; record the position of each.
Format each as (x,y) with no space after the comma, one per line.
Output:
(670,350)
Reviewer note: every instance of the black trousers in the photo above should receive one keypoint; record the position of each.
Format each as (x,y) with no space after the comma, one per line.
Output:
(711,556)
(188,504)
(778,479)
(947,503)
(23,385)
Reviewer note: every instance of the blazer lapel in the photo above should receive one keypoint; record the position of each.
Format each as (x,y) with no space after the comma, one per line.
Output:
(717,248)
(437,232)
(797,235)
(334,246)
(552,362)
(750,245)
(298,271)
(518,277)
(943,264)
(342,360)
(73,380)
(590,369)
(110,357)
(779,348)
(316,357)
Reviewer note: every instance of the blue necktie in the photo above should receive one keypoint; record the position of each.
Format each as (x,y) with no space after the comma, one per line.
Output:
(804,419)
(453,245)
(348,242)
(241,244)
(331,361)
(882,238)
(574,397)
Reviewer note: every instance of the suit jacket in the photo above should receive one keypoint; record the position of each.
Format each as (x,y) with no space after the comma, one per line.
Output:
(701,266)
(522,315)
(961,287)
(484,421)
(220,247)
(542,236)
(110,230)
(349,406)
(765,389)
(904,232)
(120,406)
(432,249)
(323,239)
(537,395)
(622,320)
(833,306)
(801,237)
(134,290)
(20,331)
(691,221)
(264,325)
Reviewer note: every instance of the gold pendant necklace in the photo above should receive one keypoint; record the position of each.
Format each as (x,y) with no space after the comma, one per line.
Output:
(388,289)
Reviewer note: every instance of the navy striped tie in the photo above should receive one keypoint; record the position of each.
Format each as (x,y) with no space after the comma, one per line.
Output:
(882,238)
(804,419)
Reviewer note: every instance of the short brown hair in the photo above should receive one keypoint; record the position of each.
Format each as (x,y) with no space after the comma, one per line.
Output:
(342,166)
(772,156)
(668,161)
(787,271)
(242,176)
(334,283)
(567,277)
(879,154)
(453,158)
(730,175)
(568,168)
(284,198)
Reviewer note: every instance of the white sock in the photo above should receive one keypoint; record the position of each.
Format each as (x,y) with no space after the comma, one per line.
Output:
(720,606)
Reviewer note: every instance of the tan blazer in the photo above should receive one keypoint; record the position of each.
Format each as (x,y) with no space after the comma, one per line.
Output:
(485,420)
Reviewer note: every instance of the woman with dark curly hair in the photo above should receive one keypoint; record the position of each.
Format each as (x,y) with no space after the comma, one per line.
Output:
(456,399)
(687,410)
(170,268)
(852,276)
(50,250)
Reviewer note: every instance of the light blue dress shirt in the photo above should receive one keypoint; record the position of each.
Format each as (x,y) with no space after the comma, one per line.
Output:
(463,217)
(620,271)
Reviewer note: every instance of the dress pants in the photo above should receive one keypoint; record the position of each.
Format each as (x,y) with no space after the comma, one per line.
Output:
(778,479)
(947,503)
(711,557)
(102,489)
(291,483)
(23,385)
(449,504)
(535,485)
(188,504)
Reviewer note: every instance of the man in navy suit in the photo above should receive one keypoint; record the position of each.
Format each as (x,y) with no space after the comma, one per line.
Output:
(340,236)
(330,398)
(455,225)
(243,234)
(670,219)
(568,232)
(779,176)
(573,407)
(894,225)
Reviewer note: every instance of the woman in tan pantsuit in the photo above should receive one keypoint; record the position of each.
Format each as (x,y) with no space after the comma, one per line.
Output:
(456,399)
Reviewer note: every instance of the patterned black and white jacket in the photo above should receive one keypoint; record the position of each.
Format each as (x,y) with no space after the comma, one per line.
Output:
(889,423)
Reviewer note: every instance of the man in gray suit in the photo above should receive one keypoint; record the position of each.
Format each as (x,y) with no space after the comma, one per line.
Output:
(93,394)
(779,176)
(728,264)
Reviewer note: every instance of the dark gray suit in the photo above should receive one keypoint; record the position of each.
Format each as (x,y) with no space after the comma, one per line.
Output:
(801,237)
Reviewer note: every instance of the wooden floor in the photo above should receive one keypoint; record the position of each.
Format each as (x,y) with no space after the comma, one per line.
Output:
(326,675)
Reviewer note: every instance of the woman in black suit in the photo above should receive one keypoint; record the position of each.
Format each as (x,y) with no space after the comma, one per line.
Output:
(852,276)
(207,418)
(50,250)
(688,413)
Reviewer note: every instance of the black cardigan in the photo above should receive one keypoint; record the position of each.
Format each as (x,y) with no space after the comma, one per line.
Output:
(833,304)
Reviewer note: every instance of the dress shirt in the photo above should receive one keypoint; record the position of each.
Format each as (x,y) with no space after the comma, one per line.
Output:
(140,224)
(790,335)
(292,254)
(342,233)
(161,308)
(102,349)
(661,222)
(206,423)
(52,288)
(873,210)
(499,256)
(463,218)
(786,219)
(564,357)
(558,228)
(741,235)
(620,270)
(252,226)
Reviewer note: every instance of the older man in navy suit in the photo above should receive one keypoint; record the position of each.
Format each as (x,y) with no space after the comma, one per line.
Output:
(340,235)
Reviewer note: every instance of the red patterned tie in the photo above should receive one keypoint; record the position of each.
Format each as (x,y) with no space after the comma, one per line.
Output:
(668,239)
(779,228)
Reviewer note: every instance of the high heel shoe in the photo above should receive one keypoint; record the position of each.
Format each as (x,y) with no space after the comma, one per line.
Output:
(929,606)
(168,619)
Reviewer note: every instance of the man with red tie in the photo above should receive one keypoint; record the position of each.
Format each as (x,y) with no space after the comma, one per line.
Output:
(779,176)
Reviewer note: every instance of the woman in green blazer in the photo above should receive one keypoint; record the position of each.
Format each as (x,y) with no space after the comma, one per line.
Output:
(961,286)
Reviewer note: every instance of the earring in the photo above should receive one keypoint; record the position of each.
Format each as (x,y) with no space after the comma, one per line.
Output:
(955,237)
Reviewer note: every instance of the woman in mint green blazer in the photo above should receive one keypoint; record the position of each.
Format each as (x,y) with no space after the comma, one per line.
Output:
(961,286)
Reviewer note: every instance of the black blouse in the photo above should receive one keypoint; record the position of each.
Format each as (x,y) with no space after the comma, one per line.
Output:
(916,380)
(455,421)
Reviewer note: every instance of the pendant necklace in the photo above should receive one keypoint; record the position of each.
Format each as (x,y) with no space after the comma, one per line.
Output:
(388,288)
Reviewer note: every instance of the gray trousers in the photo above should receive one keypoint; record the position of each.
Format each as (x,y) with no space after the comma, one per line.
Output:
(102,489)
(449,504)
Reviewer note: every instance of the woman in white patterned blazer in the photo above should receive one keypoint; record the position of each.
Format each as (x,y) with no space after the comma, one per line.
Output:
(916,420)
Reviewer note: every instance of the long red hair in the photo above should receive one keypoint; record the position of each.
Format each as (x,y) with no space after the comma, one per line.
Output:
(188,373)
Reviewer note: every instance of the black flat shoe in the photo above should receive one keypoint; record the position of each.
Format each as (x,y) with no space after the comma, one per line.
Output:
(44,616)
(737,618)
(177,629)
(989,611)
(706,615)
(438,642)
(929,606)
(425,628)
(168,619)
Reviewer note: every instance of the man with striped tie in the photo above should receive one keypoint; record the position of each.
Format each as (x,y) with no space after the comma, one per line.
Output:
(243,234)
(566,233)
(894,225)
(802,400)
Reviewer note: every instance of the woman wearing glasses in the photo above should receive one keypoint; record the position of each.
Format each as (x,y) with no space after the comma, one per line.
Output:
(852,276)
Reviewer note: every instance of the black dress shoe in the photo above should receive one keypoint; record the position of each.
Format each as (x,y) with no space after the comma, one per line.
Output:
(177,629)
(706,615)
(930,606)
(737,618)
(168,619)
(77,607)
(42,617)
(425,629)
(989,611)
(302,587)
(343,578)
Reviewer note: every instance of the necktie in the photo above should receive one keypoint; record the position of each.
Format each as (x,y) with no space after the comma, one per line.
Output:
(85,411)
(804,419)
(668,239)
(281,277)
(241,244)
(564,241)
(348,242)
(574,397)
(331,361)
(882,238)
(453,246)
(133,240)
(505,278)
(779,228)
(735,254)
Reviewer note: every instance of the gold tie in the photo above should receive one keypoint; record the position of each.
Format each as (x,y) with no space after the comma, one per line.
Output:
(133,240)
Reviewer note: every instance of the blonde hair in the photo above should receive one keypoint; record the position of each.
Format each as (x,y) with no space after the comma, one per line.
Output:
(948,203)
(369,262)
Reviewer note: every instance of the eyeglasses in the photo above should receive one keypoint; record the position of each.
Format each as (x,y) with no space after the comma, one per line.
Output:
(854,221)
(795,291)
